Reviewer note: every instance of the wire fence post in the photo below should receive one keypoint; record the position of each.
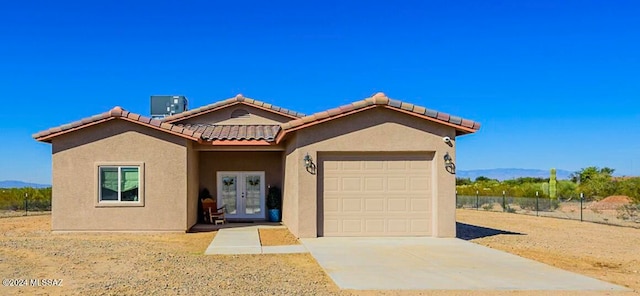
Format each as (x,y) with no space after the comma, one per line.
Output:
(477,201)
(581,200)
(504,201)
(26,204)
(537,204)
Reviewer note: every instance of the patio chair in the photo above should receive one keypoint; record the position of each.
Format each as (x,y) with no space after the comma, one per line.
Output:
(212,213)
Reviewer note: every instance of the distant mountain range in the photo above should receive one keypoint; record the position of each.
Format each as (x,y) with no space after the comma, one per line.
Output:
(20,184)
(506,174)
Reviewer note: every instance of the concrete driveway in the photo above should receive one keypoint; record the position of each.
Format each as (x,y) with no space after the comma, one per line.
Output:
(423,263)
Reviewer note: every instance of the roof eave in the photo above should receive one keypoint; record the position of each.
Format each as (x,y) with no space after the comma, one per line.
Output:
(460,130)
(239,143)
(49,137)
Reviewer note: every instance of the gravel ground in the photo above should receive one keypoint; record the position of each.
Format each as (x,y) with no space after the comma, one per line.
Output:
(173,264)
(146,264)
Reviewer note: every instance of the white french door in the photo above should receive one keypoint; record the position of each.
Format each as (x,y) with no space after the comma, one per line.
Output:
(242,194)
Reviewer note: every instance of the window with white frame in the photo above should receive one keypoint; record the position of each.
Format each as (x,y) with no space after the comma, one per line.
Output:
(119,183)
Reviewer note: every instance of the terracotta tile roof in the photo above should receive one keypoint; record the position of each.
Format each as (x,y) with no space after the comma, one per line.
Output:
(212,132)
(463,126)
(116,113)
(237,99)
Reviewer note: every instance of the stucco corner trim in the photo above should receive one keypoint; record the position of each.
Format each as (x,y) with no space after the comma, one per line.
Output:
(118,204)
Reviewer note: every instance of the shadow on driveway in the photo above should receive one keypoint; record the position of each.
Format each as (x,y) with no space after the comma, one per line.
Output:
(470,232)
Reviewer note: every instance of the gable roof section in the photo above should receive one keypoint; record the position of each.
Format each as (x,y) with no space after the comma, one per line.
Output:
(462,126)
(120,114)
(258,134)
(239,99)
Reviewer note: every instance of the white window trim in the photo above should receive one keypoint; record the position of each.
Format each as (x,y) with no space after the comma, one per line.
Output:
(119,203)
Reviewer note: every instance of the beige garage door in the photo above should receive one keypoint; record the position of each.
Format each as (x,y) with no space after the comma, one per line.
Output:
(376,195)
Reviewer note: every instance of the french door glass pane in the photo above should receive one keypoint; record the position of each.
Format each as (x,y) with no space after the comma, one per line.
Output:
(230,193)
(253,194)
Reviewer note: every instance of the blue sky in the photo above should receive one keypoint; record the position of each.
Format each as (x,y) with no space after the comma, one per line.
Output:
(554,83)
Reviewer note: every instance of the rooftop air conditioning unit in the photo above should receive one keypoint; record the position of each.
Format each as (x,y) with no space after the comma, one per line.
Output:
(163,106)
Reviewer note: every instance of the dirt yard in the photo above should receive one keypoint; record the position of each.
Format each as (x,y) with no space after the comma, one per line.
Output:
(277,237)
(145,264)
(174,264)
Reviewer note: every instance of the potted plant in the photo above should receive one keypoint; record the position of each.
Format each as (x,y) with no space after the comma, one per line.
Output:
(274,203)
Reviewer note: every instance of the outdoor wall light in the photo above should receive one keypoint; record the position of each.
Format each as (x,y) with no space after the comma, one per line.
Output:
(448,163)
(309,165)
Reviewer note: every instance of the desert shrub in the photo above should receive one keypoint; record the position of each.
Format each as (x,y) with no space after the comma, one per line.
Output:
(465,201)
(13,199)
(631,188)
(547,204)
(566,189)
(629,212)
(487,206)
(526,203)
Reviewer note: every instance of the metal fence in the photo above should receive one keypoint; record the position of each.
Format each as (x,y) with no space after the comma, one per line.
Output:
(24,207)
(574,209)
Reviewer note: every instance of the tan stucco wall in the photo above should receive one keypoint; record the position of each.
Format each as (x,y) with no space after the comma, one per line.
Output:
(376,130)
(292,159)
(192,185)
(75,182)
(223,116)
(211,162)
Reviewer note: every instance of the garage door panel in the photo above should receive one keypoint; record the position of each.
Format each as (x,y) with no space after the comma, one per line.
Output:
(397,205)
(331,226)
(331,205)
(351,165)
(351,184)
(331,184)
(418,184)
(419,165)
(374,184)
(352,226)
(374,165)
(420,205)
(397,183)
(351,205)
(374,226)
(420,225)
(374,205)
(398,225)
(376,195)
(397,165)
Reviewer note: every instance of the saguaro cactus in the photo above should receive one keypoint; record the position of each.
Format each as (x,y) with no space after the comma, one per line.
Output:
(553,185)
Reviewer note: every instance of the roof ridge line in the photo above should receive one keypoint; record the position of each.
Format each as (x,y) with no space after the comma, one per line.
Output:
(239,98)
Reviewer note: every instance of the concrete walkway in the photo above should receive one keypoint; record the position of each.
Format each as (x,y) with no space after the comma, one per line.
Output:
(423,263)
(246,240)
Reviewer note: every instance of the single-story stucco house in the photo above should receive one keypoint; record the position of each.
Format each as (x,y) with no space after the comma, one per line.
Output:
(376,167)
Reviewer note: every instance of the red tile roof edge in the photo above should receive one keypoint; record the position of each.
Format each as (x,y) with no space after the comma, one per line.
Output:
(380,99)
(237,99)
(236,132)
(115,113)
